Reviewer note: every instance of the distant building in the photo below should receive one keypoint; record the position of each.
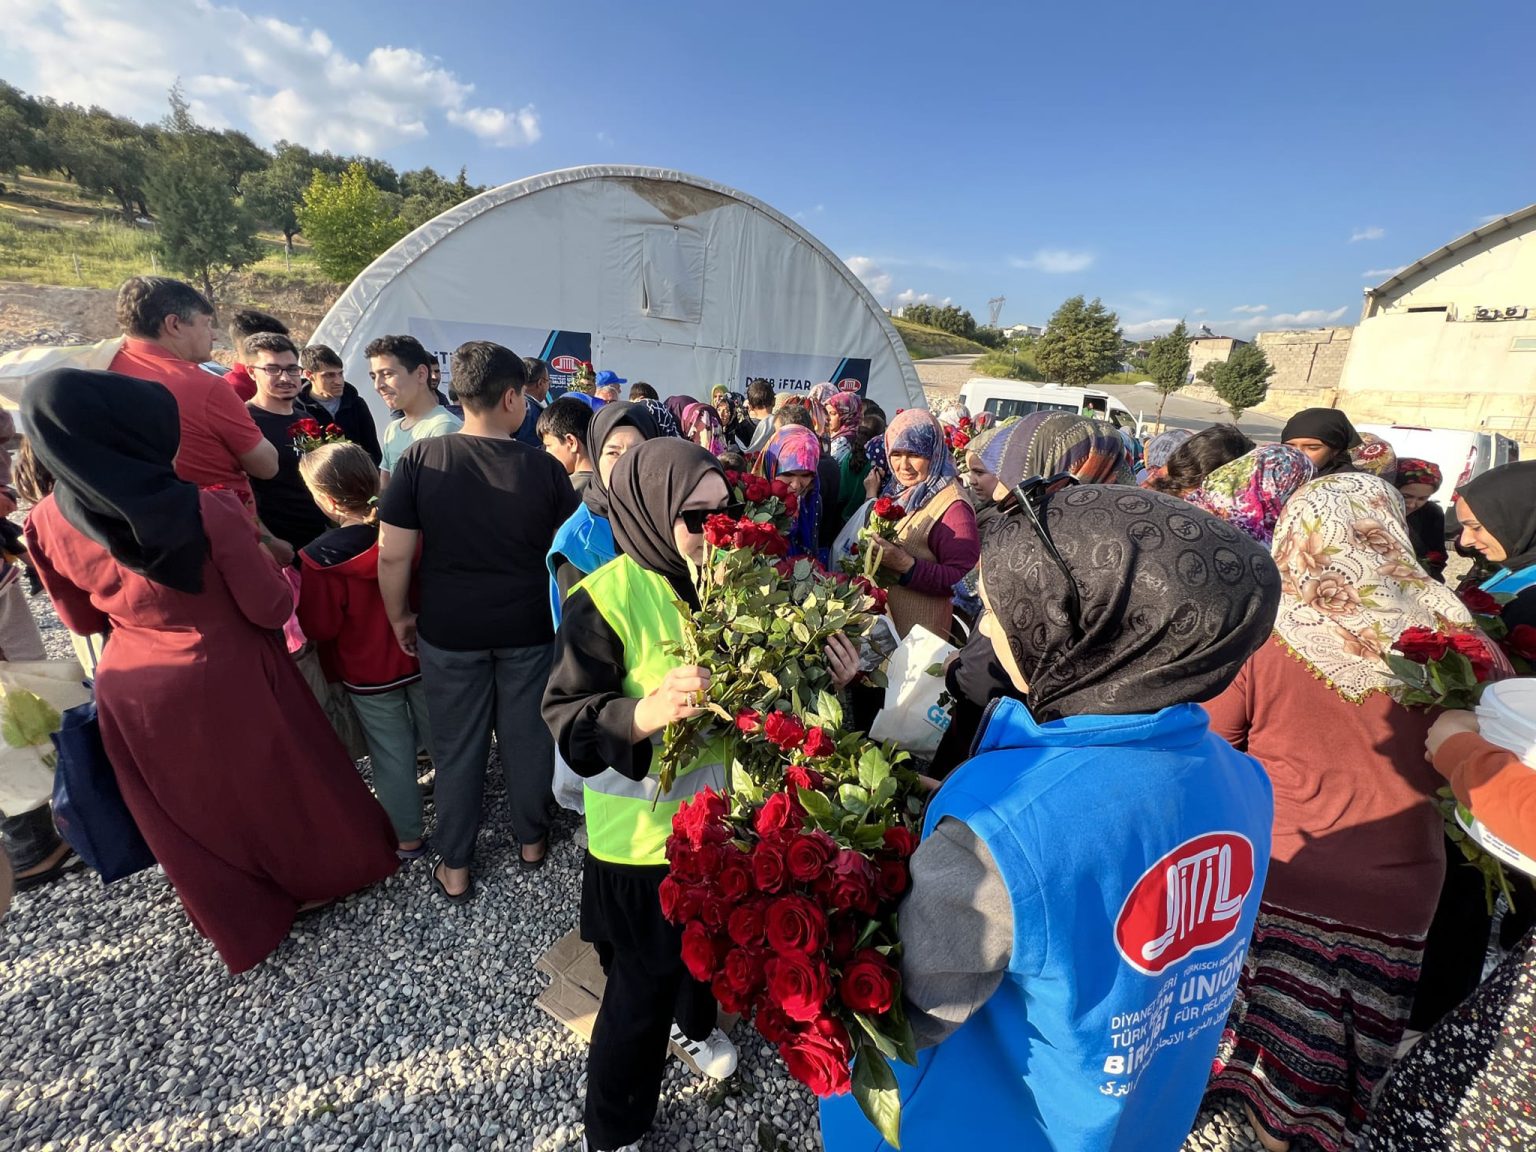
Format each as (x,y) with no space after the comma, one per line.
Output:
(1019,331)
(1205,347)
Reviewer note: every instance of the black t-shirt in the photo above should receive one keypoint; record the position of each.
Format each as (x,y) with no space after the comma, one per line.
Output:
(284,504)
(487,511)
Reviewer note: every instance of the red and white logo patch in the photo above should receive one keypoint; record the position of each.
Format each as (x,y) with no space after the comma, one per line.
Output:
(1190,899)
(565,365)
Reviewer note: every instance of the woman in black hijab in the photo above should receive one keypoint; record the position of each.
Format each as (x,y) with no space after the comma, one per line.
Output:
(1497,511)
(231,770)
(1326,436)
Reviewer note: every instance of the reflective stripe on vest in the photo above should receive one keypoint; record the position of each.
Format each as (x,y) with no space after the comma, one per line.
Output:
(628,821)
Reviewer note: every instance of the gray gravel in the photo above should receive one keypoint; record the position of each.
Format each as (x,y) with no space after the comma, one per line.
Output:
(389,1021)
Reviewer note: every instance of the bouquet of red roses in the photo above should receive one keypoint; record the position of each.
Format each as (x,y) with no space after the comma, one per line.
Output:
(885,516)
(308,434)
(787,888)
(1518,643)
(958,437)
(1449,669)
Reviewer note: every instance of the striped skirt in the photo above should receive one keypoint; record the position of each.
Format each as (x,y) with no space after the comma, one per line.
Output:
(1320,1009)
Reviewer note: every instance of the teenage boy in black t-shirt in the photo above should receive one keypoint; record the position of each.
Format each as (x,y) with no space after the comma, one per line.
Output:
(283,503)
(484,509)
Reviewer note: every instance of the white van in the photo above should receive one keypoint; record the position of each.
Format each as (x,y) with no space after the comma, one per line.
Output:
(1006,399)
(1460,454)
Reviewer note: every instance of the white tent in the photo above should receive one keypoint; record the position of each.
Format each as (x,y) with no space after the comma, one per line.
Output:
(656,275)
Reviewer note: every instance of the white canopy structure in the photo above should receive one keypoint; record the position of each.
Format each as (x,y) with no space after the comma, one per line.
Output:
(653,274)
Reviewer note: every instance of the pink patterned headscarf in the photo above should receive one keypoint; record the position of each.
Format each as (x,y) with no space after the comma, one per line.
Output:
(701,424)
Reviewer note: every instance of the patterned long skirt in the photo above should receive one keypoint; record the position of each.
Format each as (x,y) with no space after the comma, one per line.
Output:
(1320,1009)
(1470,1085)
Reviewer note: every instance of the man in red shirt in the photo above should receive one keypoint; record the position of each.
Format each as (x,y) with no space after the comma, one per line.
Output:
(246,323)
(168,327)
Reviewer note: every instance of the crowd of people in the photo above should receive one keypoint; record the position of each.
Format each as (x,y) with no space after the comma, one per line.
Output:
(1185,638)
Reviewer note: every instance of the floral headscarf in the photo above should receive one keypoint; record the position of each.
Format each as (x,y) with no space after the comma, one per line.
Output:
(1411,470)
(916,431)
(954,412)
(1350,584)
(849,408)
(1251,491)
(1375,455)
(1158,449)
(701,424)
(666,423)
(823,392)
(795,448)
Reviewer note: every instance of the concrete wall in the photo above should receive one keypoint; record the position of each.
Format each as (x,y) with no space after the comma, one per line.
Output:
(1308,365)
(1205,350)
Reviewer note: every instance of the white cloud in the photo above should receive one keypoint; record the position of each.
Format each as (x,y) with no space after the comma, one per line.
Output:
(1381,273)
(273,79)
(1490,218)
(881,284)
(1373,232)
(605,139)
(1143,329)
(807,213)
(1252,309)
(1245,327)
(1054,260)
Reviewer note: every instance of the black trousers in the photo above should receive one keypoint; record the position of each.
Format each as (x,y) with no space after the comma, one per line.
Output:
(647,989)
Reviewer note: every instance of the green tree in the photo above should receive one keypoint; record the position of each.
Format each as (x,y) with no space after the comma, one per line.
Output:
(427,195)
(1167,362)
(274,193)
(204,232)
(1081,344)
(103,153)
(1241,381)
(348,222)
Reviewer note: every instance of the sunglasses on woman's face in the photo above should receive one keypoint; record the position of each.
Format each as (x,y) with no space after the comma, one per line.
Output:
(1029,499)
(693,518)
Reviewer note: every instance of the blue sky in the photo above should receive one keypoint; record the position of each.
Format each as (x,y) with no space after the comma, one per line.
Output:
(1245,166)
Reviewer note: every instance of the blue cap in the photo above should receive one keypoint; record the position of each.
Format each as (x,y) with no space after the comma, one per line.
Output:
(605,378)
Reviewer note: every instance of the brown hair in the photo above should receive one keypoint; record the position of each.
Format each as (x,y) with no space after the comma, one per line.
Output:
(344,473)
(143,303)
(32,479)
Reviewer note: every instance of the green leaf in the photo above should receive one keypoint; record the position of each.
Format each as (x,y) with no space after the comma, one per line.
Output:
(868,837)
(874,1087)
(26,719)
(853,798)
(818,807)
(801,632)
(771,681)
(881,1041)
(873,767)
(830,711)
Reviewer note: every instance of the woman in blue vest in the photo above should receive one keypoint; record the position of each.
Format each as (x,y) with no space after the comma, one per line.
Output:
(616,685)
(584,543)
(1083,896)
(1497,511)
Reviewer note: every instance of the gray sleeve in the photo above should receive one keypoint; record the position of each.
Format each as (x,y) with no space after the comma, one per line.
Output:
(956,932)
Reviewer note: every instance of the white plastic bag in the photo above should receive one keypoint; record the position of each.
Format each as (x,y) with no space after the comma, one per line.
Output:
(20,366)
(913,716)
(849,536)
(26,776)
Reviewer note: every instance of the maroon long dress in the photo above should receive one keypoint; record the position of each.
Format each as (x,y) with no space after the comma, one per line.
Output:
(232,771)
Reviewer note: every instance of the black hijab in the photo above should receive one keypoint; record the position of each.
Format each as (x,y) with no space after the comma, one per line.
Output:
(1504,501)
(1329,426)
(1173,601)
(110,442)
(610,416)
(650,484)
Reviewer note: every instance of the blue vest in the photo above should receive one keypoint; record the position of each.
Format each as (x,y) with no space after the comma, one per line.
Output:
(1134,850)
(587,542)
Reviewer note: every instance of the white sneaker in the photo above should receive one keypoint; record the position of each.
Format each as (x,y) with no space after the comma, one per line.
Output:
(585,1147)
(714,1056)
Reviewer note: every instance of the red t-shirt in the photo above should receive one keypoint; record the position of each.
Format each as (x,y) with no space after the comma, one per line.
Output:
(216,429)
(240,380)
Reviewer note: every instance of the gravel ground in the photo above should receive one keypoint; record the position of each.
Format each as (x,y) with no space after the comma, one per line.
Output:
(388,1021)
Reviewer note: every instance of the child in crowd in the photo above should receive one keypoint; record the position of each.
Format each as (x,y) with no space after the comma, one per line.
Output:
(342,611)
(562,429)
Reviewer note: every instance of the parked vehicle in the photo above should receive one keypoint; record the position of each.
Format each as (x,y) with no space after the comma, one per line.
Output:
(1460,454)
(1006,399)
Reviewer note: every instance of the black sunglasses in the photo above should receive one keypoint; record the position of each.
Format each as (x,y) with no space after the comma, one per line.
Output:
(1029,498)
(693,518)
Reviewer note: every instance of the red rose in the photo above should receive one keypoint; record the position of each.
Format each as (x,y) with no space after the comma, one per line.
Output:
(1522,641)
(745,925)
(681,856)
(819,1058)
(757,490)
(797,776)
(891,878)
(670,892)
(818,744)
(809,854)
(791,504)
(735,879)
(334,430)
(850,882)
(779,488)
(843,935)
(795,924)
(869,985)
(749,720)
(739,980)
(701,820)
(774,1026)
(768,867)
(1422,645)
(785,730)
(1472,647)
(713,912)
(720,530)
(780,816)
(900,840)
(799,985)
(884,508)
(701,952)
(1480,603)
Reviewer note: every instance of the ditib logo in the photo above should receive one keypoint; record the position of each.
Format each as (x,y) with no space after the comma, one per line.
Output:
(1190,899)
(565,365)
(849,384)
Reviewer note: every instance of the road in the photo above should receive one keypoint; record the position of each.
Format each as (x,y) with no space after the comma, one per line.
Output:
(944,376)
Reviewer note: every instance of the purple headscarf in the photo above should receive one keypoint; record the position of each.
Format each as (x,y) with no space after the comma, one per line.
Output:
(916,431)
(795,448)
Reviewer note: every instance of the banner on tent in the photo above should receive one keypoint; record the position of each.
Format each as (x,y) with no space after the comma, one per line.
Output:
(797,372)
(560,349)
